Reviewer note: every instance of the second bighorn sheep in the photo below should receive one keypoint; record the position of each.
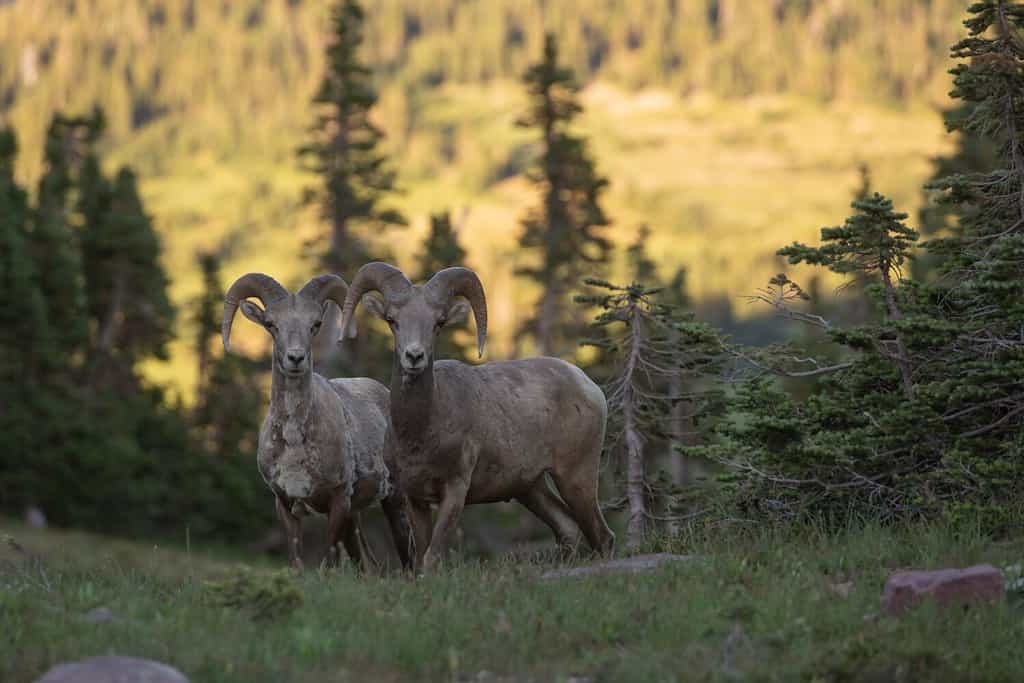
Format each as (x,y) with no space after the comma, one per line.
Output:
(465,434)
(321,444)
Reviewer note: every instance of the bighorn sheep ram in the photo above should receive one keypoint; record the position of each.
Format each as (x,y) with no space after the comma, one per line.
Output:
(321,444)
(462,435)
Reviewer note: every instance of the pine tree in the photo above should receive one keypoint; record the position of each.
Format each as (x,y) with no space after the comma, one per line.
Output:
(651,343)
(126,284)
(343,149)
(24,330)
(442,249)
(54,245)
(566,230)
(230,394)
(872,242)
(25,338)
(355,178)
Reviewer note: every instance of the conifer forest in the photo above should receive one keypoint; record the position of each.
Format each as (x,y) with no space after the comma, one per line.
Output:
(581,340)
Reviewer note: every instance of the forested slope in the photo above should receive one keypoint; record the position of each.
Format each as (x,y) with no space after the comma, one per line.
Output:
(739,120)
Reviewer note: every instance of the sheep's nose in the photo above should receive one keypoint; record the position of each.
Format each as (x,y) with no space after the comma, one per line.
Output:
(296,357)
(414,354)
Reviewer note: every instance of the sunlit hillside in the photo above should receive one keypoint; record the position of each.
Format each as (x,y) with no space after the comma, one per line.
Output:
(209,106)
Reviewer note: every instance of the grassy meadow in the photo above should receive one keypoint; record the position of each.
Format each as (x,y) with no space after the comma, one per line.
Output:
(752,606)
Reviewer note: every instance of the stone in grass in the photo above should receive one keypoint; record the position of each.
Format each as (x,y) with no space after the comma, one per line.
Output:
(626,565)
(113,670)
(947,587)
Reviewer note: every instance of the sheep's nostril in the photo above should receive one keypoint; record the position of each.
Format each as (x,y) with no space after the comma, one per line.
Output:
(296,358)
(414,357)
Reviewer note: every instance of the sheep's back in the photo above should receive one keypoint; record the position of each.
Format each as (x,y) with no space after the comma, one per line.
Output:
(527,403)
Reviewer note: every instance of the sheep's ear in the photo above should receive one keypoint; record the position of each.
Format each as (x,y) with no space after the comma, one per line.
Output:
(252,312)
(374,305)
(323,308)
(457,313)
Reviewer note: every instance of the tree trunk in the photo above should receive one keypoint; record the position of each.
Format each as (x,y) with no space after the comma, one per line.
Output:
(547,320)
(903,359)
(636,480)
(636,490)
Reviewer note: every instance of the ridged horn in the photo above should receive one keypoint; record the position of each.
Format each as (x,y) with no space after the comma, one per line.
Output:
(326,287)
(263,287)
(372,277)
(459,281)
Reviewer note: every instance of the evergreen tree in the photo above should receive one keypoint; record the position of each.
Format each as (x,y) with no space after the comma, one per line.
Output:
(681,432)
(229,405)
(344,151)
(24,336)
(863,442)
(54,245)
(129,307)
(651,343)
(442,249)
(566,230)
(872,242)
(355,178)
(24,331)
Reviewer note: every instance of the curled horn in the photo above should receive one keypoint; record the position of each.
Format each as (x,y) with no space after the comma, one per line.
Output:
(324,287)
(263,287)
(459,281)
(373,277)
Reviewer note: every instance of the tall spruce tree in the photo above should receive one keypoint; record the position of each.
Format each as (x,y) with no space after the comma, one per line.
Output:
(54,245)
(565,232)
(355,178)
(874,242)
(442,249)
(982,265)
(229,402)
(25,339)
(650,343)
(344,148)
(131,313)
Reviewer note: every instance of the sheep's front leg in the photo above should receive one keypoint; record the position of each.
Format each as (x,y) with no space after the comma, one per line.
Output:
(342,529)
(453,499)
(396,510)
(292,533)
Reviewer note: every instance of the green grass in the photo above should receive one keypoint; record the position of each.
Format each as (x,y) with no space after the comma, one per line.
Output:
(758,606)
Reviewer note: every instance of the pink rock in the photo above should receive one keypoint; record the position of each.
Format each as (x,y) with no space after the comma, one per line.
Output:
(947,587)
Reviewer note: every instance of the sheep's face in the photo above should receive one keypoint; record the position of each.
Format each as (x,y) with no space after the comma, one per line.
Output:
(415,318)
(292,323)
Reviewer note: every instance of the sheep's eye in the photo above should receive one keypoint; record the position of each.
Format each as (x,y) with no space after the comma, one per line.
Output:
(270,325)
(316,326)
(389,320)
(442,322)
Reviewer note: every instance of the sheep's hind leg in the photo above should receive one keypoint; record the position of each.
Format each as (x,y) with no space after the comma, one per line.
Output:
(292,533)
(586,511)
(542,502)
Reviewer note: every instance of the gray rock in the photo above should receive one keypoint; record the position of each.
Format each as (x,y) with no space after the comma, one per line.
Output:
(626,565)
(34,518)
(113,670)
(100,615)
